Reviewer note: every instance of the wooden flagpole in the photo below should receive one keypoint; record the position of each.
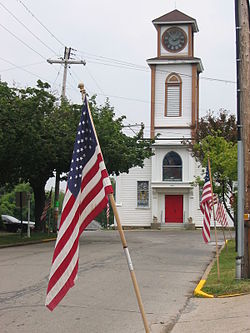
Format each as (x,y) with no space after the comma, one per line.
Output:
(129,261)
(224,236)
(123,239)
(215,230)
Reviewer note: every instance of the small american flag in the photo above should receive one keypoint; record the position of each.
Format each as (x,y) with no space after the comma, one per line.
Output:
(221,215)
(214,201)
(46,207)
(86,196)
(206,207)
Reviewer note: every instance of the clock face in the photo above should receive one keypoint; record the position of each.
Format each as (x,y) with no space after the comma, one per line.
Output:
(174,39)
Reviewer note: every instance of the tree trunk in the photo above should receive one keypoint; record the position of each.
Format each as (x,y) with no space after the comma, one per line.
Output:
(39,194)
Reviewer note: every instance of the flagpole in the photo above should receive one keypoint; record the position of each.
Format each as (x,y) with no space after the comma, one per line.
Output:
(215,230)
(129,261)
(224,236)
(123,239)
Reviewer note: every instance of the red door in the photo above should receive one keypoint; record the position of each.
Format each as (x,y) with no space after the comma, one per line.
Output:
(174,209)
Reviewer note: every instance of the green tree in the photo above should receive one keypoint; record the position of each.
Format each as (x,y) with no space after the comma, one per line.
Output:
(216,138)
(38,136)
(223,123)
(8,202)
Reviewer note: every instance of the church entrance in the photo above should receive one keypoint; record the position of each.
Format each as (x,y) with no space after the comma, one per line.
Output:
(173,208)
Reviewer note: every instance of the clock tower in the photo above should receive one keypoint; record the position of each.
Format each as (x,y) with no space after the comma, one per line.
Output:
(174,116)
(162,190)
(175,76)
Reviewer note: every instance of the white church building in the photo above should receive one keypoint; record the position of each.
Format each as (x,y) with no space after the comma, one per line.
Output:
(162,190)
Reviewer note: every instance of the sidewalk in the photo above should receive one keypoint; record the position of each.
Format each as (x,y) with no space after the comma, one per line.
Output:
(208,315)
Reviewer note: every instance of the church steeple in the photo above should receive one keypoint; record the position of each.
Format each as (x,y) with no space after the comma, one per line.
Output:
(175,77)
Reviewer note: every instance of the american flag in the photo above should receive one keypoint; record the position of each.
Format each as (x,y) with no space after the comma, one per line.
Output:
(206,207)
(86,196)
(221,215)
(46,207)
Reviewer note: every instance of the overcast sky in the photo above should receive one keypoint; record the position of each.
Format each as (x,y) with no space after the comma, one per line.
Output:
(109,35)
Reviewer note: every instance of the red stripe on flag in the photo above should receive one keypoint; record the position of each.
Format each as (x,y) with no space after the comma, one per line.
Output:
(63,266)
(86,197)
(69,284)
(87,178)
(67,234)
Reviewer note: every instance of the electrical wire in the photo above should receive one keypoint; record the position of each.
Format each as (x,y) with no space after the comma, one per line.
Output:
(28,65)
(92,77)
(48,47)
(23,69)
(33,15)
(20,40)
(58,73)
(129,65)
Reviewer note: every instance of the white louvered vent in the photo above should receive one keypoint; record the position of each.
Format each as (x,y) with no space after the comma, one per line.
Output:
(173,101)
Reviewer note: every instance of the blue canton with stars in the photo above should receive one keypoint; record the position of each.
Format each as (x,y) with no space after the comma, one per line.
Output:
(207,176)
(84,148)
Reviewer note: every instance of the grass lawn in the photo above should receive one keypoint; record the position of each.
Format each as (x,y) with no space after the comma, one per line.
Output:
(228,284)
(15,238)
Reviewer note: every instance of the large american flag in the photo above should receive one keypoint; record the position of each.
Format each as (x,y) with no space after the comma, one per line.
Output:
(221,215)
(86,196)
(206,207)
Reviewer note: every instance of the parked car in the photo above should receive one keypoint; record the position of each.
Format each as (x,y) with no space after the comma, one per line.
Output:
(13,224)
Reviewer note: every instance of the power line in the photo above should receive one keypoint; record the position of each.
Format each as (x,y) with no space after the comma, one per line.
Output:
(25,70)
(129,65)
(48,47)
(92,77)
(114,60)
(33,15)
(20,67)
(58,73)
(20,40)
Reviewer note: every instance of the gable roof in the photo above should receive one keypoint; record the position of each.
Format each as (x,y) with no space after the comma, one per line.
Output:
(176,17)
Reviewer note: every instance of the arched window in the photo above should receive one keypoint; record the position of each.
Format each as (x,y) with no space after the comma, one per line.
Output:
(172,167)
(173,95)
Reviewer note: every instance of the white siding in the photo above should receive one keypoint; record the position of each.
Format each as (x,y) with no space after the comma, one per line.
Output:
(185,72)
(126,196)
(174,133)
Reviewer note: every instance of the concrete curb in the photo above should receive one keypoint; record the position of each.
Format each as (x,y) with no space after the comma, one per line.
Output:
(198,290)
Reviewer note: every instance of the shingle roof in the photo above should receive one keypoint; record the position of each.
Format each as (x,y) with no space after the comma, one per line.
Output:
(176,17)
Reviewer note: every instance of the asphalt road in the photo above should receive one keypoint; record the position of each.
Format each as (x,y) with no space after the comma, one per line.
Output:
(168,265)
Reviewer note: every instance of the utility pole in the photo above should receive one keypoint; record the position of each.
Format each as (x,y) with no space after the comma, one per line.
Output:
(66,61)
(245,114)
(243,123)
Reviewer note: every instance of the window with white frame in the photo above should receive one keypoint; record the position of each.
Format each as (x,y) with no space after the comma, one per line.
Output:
(172,167)
(142,193)
(173,95)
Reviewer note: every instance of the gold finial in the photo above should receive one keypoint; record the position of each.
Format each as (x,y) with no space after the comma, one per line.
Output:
(82,90)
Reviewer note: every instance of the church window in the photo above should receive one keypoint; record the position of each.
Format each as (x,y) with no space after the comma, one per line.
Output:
(142,194)
(173,95)
(172,167)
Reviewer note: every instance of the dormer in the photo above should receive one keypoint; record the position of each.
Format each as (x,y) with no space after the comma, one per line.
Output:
(175,35)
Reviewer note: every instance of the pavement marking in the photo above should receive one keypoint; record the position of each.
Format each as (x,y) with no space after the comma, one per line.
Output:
(199,292)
